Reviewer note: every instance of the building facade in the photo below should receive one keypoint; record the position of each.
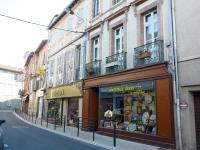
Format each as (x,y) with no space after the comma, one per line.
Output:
(10,84)
(41,60)
(67,44)
(128,71)
(188,57)
(29,92)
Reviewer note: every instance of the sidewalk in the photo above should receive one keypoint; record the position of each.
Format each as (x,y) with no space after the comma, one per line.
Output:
(100,140)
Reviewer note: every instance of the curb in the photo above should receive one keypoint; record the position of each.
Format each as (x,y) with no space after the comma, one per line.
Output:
(63,134)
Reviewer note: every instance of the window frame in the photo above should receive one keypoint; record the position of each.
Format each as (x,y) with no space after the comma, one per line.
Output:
(120,37)
(94,47)
(151,25)
(96,8)
(114,2)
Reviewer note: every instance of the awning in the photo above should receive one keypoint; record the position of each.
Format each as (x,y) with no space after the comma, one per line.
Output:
(64,92)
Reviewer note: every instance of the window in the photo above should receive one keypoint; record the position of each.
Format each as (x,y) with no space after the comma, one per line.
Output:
(78,63)
(51,73)
(96,8)
(116,1)
(78,56)
(118,39)
(69,66)
(80,16)
(70,24)
(151,27)
(60,70)
(133,104)
(96,49)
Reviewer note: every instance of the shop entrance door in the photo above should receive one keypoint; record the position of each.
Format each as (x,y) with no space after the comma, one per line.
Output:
(197,118)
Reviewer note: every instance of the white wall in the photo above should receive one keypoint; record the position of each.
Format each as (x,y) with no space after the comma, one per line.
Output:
(9,87)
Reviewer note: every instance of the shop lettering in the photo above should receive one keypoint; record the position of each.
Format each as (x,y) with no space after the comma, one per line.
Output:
(125,89)
(139,92)
(58,93)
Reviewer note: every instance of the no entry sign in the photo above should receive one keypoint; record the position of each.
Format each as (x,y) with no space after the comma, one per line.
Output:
(183,105)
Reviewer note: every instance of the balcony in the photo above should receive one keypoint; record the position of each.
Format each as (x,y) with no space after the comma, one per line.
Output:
(149,53)
(93,69)
(116,62)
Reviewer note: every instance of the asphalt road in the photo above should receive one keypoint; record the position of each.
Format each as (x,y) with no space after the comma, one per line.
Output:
(21,136)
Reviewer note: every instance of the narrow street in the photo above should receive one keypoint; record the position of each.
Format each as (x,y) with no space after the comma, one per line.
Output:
(21,136)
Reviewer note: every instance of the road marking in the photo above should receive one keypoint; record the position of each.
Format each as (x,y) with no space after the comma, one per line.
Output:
(20,127)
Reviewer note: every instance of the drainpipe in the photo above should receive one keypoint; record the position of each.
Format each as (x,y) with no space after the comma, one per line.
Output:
(175,74)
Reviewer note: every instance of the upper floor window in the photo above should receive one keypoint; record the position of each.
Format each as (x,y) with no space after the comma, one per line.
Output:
(96,8)
(59,70)
(95,48)
(78,56)
(80,16)
(70,24)
(118,39)
(116,1)
(151,27)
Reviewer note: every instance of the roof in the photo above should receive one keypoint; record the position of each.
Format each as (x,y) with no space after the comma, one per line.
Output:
(62,14)
(11,69)
(29,58)
(42,44)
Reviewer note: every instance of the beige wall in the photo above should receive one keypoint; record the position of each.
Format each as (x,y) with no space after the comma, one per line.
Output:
(188,49)
(131,19)
(188,41)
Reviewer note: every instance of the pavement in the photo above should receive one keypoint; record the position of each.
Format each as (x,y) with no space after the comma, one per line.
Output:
(21,135)
(104,142)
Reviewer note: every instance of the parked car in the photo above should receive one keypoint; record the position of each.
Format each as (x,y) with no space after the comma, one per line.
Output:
(1,135)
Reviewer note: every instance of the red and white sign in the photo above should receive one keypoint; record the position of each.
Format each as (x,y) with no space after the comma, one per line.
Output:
(183,105)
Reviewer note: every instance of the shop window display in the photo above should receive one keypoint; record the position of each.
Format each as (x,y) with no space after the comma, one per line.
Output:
(53,108)
(72,114)
(132,106)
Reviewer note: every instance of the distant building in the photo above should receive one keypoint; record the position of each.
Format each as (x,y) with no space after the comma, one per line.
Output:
(10,83)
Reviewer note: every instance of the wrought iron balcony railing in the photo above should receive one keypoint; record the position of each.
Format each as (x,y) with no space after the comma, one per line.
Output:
(149,53)
(118,62)
(93,69)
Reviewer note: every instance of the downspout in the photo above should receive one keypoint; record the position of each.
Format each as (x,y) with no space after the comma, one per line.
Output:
(175,74)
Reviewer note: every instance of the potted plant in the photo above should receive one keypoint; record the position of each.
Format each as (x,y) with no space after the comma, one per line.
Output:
(145,54)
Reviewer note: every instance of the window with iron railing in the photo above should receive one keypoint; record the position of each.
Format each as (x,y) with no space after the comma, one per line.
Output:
(116,1)
(117,61)
(149,53)
(93,69)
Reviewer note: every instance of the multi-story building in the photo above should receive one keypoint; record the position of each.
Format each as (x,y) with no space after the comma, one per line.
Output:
(41,61)
(10,84)
(187,44)
(128,71)
(29,94)
(67,44)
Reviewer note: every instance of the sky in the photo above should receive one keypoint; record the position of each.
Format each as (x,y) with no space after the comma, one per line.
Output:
(17,37)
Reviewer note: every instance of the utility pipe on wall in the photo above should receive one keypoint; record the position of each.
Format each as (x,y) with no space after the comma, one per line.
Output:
(175,74)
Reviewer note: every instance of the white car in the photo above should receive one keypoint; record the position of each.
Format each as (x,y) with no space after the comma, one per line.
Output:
(1,135)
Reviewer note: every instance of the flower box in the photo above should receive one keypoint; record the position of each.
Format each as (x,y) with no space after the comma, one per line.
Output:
(144,55)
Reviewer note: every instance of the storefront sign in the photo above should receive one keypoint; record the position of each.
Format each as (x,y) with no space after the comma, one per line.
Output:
(65,91)
(132,90)
(40,71)
(58,93)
